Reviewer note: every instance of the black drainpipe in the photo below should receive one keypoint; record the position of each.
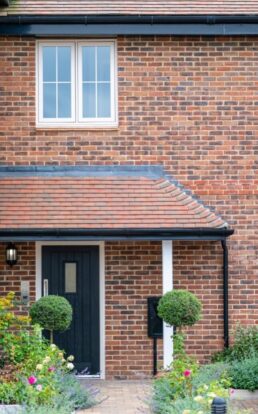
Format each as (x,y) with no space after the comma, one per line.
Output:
(225,291)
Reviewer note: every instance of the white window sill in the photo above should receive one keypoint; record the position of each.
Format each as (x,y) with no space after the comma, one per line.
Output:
(77,126)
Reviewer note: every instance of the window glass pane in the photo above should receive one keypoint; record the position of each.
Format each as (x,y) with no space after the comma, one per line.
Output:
(64,100)
(104,100)
(49,63)
(88,63)
(49,100)
(103,59)
(70,277)
(64,63)
(89,100)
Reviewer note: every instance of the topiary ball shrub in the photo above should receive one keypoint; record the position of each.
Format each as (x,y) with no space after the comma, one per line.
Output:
(180,308)
(53,313)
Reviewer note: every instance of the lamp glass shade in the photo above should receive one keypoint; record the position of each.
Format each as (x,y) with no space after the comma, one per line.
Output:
(11,254)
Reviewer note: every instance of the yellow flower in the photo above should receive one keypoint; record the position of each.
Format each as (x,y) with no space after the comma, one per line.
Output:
(198,398)
(46,360)
(186,412)
(211,394)
(39,367)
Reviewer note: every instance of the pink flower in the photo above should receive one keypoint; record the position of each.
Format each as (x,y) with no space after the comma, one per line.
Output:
(187,373)
(51,369)
(32,380)
(232,391)
(39,387)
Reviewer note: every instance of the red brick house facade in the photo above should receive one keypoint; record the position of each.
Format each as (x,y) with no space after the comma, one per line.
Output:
(155,189)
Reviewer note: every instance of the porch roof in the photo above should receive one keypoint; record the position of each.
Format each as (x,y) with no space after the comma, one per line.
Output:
(113,203)
(133,7)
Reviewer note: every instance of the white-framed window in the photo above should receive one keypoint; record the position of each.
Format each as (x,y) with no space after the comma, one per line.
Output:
(76,83)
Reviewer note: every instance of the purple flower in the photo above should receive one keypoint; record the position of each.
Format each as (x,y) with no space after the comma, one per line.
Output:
(51,369)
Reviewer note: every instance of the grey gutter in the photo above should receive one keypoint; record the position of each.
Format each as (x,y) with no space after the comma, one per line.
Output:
(115,234)
(38,25)
(129,19)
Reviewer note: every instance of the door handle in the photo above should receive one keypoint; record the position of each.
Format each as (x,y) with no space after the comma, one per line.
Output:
(45,287)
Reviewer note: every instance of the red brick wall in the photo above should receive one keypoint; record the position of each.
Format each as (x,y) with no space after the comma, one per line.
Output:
(189,104)
(133,272)
(198,268)
(10,277)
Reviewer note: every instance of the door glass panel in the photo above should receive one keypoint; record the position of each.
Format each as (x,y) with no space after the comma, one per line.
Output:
(70,277)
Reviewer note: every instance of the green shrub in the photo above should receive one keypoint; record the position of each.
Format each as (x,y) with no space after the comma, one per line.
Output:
(245,345)
(213,372)
(245,342)
(180,308)
(72,393)
(11,392)
(244,374)
(222,356)
(53,313)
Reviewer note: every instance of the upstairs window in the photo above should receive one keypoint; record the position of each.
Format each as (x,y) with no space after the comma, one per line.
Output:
(76,84)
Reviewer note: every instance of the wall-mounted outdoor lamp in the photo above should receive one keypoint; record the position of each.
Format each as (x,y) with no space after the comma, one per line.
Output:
(11,254)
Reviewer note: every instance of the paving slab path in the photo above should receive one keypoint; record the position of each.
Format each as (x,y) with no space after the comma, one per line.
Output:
(239,406)
(131,397)
(120,397)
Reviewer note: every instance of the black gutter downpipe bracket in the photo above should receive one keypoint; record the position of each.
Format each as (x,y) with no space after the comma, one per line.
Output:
(225,292)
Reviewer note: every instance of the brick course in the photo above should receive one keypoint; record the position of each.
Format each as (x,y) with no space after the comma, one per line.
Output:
(188,103)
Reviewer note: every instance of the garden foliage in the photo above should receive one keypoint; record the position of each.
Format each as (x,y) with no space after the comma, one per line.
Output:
(244,374)
(189,388)
(179,308)
(53,313)
(245,345)
(34,373)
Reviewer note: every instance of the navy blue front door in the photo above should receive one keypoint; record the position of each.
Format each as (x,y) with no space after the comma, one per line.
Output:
(73,272)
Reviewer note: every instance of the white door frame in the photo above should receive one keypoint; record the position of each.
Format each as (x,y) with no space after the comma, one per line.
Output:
(101,245)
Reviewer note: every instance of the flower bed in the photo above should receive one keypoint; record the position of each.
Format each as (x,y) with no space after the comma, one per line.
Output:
(189,388)
(35,374)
